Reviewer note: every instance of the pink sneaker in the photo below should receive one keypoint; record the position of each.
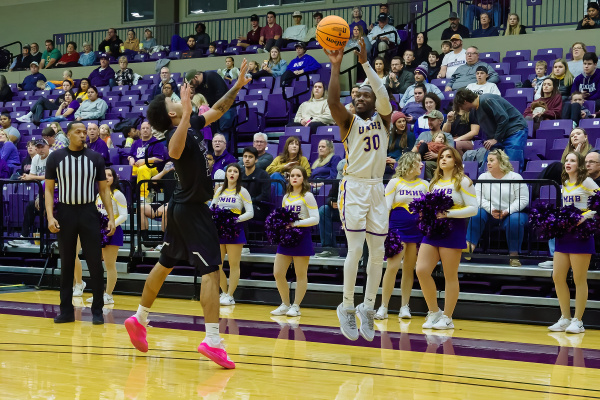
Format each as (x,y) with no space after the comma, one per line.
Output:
(216,353)
(137,333)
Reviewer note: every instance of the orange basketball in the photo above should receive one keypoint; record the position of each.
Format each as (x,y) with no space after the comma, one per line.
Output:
(333,33)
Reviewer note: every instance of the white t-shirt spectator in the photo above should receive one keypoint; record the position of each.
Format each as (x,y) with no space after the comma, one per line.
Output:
(38,166)
(488,87)
(453,61)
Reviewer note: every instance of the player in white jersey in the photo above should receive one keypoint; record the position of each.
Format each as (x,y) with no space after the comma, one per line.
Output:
(572,251)
(232,196)
(361,199)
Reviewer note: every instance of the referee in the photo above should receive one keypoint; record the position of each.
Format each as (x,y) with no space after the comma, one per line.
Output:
(77,169)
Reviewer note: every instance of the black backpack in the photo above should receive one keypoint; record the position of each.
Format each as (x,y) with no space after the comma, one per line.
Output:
(5,59)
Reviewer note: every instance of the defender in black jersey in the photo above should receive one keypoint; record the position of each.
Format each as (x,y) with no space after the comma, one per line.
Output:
(191,234)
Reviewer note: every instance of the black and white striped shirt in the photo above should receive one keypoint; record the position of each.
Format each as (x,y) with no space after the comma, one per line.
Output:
(76,173)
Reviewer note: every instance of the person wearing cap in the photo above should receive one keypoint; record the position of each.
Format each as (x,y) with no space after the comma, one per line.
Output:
(38,164)
(383,34)
(420,77)
(399,79)
(293,33)
(454,59)
(23,60)
(482,85)
(270,32)
(87,57)
(50,56)
(102,75)
(592,19)
(486,29)
(149,41)
(435,119)
(465,74)
(253,36)
(357,20)
(455,28)
(302,64)
(384,8)
(480,7)
(311,34)
(111,45)
(50,136)
(30,81)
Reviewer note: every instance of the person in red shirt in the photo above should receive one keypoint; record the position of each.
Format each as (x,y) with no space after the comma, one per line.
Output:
(70,58)
(253,36)
(270,32)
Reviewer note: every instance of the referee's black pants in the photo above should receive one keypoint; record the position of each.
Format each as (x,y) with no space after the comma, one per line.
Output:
(80,220)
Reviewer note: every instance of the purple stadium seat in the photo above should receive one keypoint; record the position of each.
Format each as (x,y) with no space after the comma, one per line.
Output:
(253,49)
(174,55)
(314,78)
(490,57)
(504,86)
(143,57)
(535,149)
(513,61)
(313,44)
(525,54)
(519,102)
(339,150)
(152,77)
(254,123)
(278,111)
(470,169)
(501,68)
(123,171)
(267,81)
(557,148)
(263,93)
(440,82)
(120,89)
(329,130)
(305,149)
(510,78)
(589,123)
(564,124)
(118,139)
(272,150)
(524,92)
(549,134)
(113,156)
(534,167)
(556,52)
(111,122)
(549,58)
(158,55)
(26,127)
(235,50)
(301,132)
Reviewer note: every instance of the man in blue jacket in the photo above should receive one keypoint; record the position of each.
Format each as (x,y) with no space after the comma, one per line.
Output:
(103,74)
(30,81)
(303,64)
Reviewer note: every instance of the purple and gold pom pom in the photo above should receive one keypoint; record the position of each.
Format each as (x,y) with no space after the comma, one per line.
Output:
(594,202)
(227,223)
(393,244)
(543,220)
(278,230)
(104,229)
(567,219)
(428,206)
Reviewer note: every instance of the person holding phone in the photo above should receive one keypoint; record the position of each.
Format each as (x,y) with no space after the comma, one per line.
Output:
(592,19)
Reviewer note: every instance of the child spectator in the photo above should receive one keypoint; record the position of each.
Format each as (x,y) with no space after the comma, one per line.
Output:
(562,74)
(105,133)
(576,109)
(446,47)
(230,72)
(482,85)
(433,65)
(212,48)
(438,143)
(535,81)
(132,135)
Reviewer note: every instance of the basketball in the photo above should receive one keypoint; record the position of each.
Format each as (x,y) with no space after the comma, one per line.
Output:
(333,33)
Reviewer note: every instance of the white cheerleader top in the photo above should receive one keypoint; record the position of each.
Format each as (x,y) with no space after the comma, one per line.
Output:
(236,202)
(119,205)
(465,199)
(305,206)
(400,193)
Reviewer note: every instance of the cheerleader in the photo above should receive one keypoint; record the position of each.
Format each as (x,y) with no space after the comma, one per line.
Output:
(572,251)
(297,198)
(232,196)
(448,178)
(111,250)
(400,191)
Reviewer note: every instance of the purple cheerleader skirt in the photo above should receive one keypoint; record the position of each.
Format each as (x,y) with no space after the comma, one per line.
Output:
(239,239)
(406,225)
(303,249)
(456,239)
(569,244)
(117,238)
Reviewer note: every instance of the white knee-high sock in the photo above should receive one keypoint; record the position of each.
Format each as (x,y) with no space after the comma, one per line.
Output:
(374,268)
(356,241)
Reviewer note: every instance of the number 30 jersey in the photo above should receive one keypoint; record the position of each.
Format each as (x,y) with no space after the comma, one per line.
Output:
(366,145)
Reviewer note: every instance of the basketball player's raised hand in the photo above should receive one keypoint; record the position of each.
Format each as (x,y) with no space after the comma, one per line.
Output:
(243,80)
(362,55)
(186,101)
(335,56)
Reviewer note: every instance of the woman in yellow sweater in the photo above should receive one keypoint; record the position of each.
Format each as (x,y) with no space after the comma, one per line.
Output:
(283,163)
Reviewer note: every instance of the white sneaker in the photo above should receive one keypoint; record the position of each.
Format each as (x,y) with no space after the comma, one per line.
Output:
(576,326)
(226,300)
(444,322)
(159,247)
(367,323)
(432,318)
(381,313)
(561,325)
(25,118)
(20,243)
(294,311)
(281,310)
(546,264)
(108,299)
(78,289)
(405,312)
(245,251)
(347,317)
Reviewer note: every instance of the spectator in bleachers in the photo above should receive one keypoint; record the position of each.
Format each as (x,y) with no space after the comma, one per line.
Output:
(158,209)
(102,75)
(275,67)
(6,93)
(67,77)
(50,56)
(414,108)
(35,53)
(6,125)
(87,57)
(549,106)
(422,49)
(93,142)
(328,214)
(290,157)
(165,76)
(409,60)
(500,203)
(132,43)
(592,19)
(105,133)
(384,8)
(23,60)
(81,93)
(353,92)
(132,134)
(463,127)
(66,109)
(145,149)
(220,154)
(380,69)
(256,182)
(437,144)
(433,65)
(50,135)
(167,90)
(402,139)
(576,110)
(230,72)
(592,164)
(354,42)
(420,78)
(500,120)
(30,81)
(26,162)
(482,85)
(311,34)
(263,159)
(455,28)
(486,29)
(588,83)
(59,134)
(389,36)
(446,47)
(576,64)
(514,26)
(482,7)
(70,58)
(9,153)
(454,59)
(270,33)
(202,38)
(535,81)
(430,102)
(302,64)
(253,36)
(212,48)
(92,108)
(466,73)
(199,103)
(435,119)
(399,79)
(111,44)
(149,41)
(314,112)
(357,20)
(124,76)
(325,166)
(293,33)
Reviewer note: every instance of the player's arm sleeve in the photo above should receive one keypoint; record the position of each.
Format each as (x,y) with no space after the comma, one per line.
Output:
(382,102)
(313,212)
(121,207)
(248,209)
(469,197)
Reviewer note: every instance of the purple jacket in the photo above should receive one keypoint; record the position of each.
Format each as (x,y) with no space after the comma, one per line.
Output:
(223,161)
(415,109)
(590,84)
(99,146)
(100,78)
(138,150)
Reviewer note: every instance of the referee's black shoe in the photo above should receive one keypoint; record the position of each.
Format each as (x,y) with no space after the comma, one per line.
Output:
(64,318)
(97,319)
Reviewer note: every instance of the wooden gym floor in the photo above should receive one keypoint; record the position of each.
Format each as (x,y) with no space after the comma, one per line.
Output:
(283,358)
